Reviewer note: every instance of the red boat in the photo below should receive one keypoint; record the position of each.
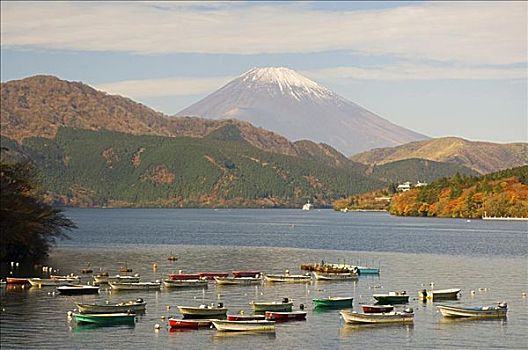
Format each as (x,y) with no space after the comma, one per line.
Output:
(246,273)
(377,309)
(17,280)
(180,323)
(212,275)
(285,316)
(184,276)
(246,317)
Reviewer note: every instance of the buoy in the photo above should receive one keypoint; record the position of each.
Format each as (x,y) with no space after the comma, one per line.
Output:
(157,327)
(473,292)
(12,263)
(241,312)
(168,307)
(154,267)
(16,264)
(523,294)
(162,317)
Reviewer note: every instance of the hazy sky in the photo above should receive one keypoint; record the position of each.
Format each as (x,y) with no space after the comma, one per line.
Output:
(439,68)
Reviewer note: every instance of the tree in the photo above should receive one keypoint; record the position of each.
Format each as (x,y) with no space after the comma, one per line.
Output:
(29,226)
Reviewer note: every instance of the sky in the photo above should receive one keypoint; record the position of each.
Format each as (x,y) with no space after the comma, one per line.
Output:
(438,68)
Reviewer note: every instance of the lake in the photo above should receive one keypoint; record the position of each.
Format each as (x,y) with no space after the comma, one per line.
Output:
(487,259)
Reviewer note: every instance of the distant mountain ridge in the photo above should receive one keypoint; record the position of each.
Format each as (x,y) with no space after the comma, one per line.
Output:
(483,157)
(284,101)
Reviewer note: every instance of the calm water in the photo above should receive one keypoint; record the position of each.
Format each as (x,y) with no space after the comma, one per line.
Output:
(487,257)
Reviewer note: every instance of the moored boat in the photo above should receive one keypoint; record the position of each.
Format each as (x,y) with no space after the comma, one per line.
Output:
(212,275)
(280,316)
(335,276)
(241,326)
(333,302)
(118,286)
(440,294)
(376,309)
(78,289)
(494,311)
(203,311)
(168,283)
(247,273)
(238,280)
(378,318)
(100,279)
(183,276)
(288,278)
(285,305)
(398,297)
(47,282)
(17,280)
(105,319)
(137,306)
(245,317)
(189,323)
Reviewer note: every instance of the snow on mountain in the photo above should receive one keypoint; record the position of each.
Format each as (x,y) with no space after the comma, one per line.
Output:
(286,102)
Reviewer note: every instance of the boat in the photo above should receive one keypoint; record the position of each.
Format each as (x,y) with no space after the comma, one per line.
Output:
(185,283)
(335,276)
(368,270)
(188,323)
(241,326)
(440,294)
(288,278)
(307,206)
(183,276)
(203,311)
(3,284)
(341,268)
(398,297)
(46,282)
(135,286)
(71,277)
(238,280)
(354,317)
(137,306)
(493,311)
(212,275)
(245,317)
(124,268)
(100,279)
(376,309)
(172,258)
(333,302)
(78,289)
(104,319)
(17,280)
(280,316)
(247,273)
(285,305)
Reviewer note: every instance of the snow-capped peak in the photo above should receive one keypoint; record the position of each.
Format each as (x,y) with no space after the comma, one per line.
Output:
(286,79)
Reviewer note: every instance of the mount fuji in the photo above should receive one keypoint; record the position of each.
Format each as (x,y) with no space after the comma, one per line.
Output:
(286,102)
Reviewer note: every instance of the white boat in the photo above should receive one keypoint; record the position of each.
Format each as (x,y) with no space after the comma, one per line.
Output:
(335,276)
(494,311)
(241,326)
(288,278)
(100,279)
(185,283)
(440,294)
(137,306)
(135,286)
(285,306)
(307,206)
(46,282)
(203,311)
(238,280)
(354,317)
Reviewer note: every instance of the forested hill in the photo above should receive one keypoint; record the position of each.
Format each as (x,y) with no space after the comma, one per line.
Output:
(503,193)
(106,168)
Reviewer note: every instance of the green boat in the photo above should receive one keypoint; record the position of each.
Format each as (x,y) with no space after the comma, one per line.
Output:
(105,319)
(392,298)
(333,302)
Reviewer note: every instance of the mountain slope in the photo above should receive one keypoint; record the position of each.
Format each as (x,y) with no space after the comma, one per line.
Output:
(483,157)
(286,102)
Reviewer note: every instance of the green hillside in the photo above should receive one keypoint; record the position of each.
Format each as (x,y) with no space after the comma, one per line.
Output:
(106,168)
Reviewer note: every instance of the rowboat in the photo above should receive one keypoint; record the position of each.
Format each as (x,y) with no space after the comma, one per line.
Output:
(285,305)
(245,317)
(247,273)
(494,311)
(238,280)
(104,278)
(212,275)
(137,306)
(376,309)
(135,286)
(335,276)
(377,318)
(46,282)
(104,319)
(240,326)
(77,289)
(203,311)
(399,297)
(188,323)
(285,316)
(440,294)
(333,302)
(185,283)
(71,277)
(288,278)
(17,280)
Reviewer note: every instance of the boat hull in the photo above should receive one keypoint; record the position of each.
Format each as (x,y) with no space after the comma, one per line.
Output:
(238,280)
(335,276)
(212,275)
(285,316)
(109,309)
(185,283)
(245,317)
(245,326)
(104,319)
(17,280)
(202,312)
(377,318)
(272,306)
(440,294)
(135,286)
(246,273)
(50,282)
(376,309)
(77,290)
(335,303)
(189,323)
(387,299)
(479,312)
(288,278)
